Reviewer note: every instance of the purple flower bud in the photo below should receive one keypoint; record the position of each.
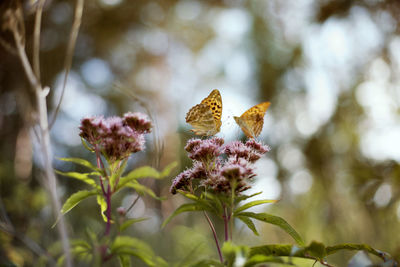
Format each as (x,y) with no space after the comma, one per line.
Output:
(180,181)
(218,172)
(237,149)
(121,211)
(257,147)
(112,136)
(192,144)
(138,121)
(204,150)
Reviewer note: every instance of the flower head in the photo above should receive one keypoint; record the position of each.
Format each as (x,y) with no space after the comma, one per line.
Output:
(112,136)
(204,150)
(220,168)
(138,121)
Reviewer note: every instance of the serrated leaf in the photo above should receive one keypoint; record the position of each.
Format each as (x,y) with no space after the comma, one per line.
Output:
(84,177)
(249,224)
(81,162)
(183,208)
(276,220)
(167,170)
(129,222)
(252,204)
(103,206)
(138,173)
(75,198)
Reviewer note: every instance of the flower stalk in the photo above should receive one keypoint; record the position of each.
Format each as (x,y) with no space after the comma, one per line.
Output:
(115,139)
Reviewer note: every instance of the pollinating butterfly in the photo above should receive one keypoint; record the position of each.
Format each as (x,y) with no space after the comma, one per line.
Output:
(205,117)
(252,120)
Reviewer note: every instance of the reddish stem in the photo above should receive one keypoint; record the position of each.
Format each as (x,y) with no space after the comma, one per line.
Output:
(108,211)
(106,194)
(215,237)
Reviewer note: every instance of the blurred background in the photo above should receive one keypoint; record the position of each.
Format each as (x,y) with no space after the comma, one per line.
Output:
(331,70)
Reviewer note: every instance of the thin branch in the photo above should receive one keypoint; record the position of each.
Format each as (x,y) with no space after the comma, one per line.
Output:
(69,55)
(133,203)
(16,26)
(36,38)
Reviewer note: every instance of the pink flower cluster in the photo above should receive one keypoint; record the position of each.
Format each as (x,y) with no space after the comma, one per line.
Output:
(218,167)
(115,137)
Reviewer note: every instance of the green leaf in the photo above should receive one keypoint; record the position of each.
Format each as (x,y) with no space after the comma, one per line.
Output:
(141,172)
(252,204)
(215,202)
(103,206)
(188,195)
(84,177)
(268,218)
(143,190)
(183,208)
(167,170)
(81,249)
(117,174)
(249,223)
(124,261)
(82,162)
(125,245)
(316,250)
(233,253)
(257,259)
(75,198)
(129,222)
(209,204)
(244,197)
(276,250)
(351,246)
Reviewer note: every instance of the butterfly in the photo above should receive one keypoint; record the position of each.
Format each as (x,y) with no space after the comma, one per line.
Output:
(252,120)
(205,117)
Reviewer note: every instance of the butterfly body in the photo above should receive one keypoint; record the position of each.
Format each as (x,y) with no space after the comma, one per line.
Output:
(252,120)
(205,117)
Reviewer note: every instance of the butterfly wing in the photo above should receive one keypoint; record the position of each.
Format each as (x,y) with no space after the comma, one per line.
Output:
(206,116)
(252,120)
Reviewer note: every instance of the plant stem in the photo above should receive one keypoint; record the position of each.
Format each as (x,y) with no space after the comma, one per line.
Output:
(101,166)
(106,194)
(108,211)
(226,226)
(215,236)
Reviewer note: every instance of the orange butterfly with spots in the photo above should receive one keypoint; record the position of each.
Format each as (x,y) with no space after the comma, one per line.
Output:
(205,117)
